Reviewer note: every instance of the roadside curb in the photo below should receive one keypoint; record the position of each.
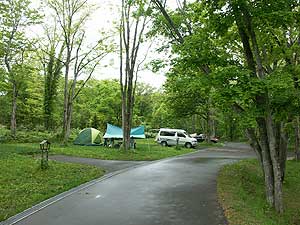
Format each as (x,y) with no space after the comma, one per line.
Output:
(40,206)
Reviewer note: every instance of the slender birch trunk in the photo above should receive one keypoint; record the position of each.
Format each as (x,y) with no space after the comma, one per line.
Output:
(66,99)
(13,125)
(297,138)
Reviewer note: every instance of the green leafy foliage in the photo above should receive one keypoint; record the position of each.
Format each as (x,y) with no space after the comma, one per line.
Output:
(99,103)
(210,62)
(33,135)
(30,98)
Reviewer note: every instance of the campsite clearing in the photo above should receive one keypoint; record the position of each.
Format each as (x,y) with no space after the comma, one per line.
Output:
(146,150)
(23,184)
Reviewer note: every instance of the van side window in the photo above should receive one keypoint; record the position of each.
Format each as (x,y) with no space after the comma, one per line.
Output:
(167,133)
(180,135)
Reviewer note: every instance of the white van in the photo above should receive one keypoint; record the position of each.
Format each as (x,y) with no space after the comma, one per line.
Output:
(169,137)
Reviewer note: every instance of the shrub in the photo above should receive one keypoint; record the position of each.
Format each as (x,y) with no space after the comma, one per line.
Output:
(30,136)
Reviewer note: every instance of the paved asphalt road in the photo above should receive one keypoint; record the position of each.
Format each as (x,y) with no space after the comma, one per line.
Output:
(175,191)
(108,165)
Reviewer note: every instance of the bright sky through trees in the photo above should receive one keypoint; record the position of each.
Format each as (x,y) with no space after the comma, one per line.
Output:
(105,19)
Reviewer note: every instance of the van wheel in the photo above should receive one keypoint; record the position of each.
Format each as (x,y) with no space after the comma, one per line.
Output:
(164,144)
(188,145)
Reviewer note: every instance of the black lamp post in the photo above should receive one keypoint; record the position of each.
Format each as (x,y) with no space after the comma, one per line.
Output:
(44,147)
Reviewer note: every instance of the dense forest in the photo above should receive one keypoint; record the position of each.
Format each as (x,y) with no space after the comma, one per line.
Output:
(99,103)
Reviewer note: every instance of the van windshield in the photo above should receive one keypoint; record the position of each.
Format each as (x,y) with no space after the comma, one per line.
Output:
(186,134)
(181,135)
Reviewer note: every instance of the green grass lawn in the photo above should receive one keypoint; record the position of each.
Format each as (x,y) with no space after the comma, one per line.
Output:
(146,149)
(241,193)
(23,184)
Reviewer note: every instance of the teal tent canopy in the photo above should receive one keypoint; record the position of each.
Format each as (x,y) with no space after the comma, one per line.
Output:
(113,132)
(138,132)
(117,132)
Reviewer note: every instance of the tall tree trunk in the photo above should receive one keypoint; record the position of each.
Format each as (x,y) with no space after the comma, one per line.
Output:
(283,148)
(254,143)
(128,111)
(272,152)
(47,100)
(70,100)
(52,73)
(126,131)
(48,105)
(209,121)
(276,163)
(231,128)
(47,116)
(212,125)
(66,99)
(297,138)
(126,124)
(281,137)
(207,132)
(267,162)
(13,124)
(194,123)
(13,118)
(69,120)
(124,121)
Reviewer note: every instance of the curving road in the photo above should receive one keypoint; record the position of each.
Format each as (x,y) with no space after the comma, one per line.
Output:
(175,191)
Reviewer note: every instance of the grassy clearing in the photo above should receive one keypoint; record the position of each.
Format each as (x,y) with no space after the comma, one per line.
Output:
(23,184)
(146,150)
(241,193)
